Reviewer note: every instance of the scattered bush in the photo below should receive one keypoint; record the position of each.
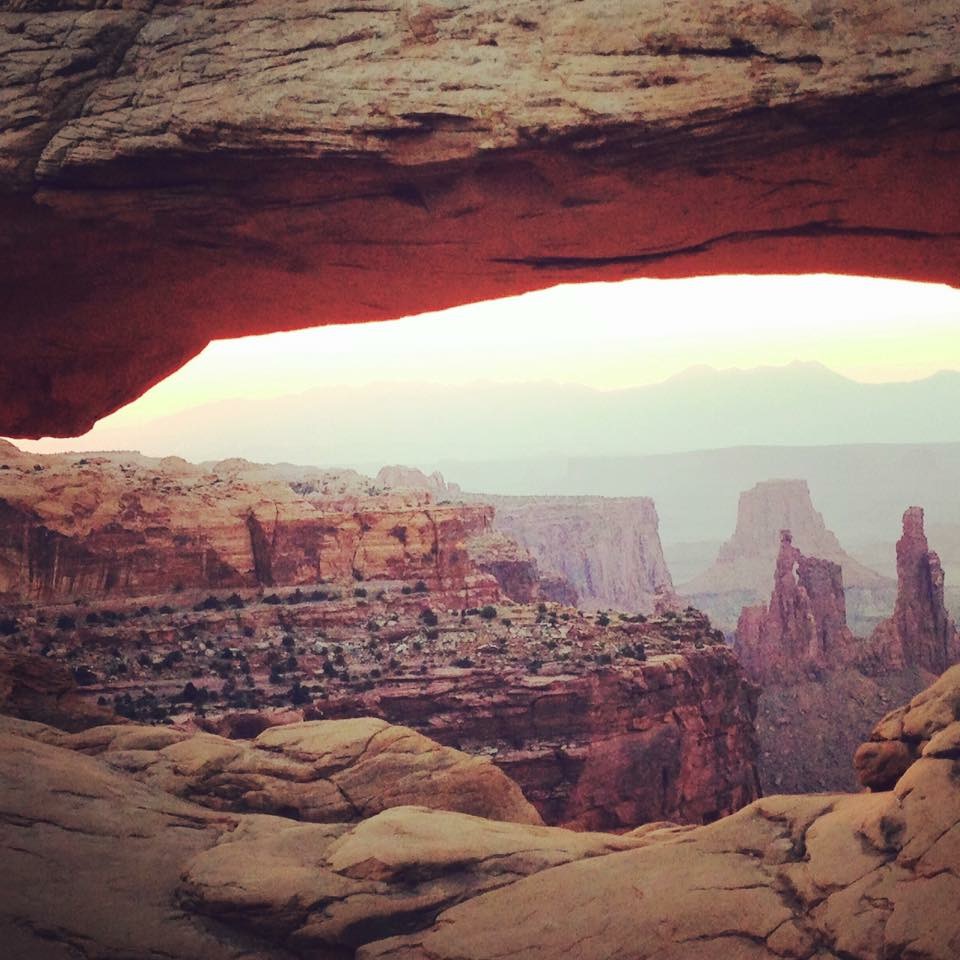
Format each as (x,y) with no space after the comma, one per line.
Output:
(8,626)
(603,620)
(84,676)
(488,612)
(428,617)
(272,599)
(420,587)
(211,603)
(65,622)
(235,601)
(463,662)
(360,592)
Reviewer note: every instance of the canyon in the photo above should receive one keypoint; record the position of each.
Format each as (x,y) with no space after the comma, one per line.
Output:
(740,575)
(231,596)
(810,665)
(606,549)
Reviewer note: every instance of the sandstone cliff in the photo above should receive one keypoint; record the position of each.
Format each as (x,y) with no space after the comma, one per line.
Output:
(745,560)
(126,525)
(740,576)
(241,160)
(669,739)
(823,688)
(607,547)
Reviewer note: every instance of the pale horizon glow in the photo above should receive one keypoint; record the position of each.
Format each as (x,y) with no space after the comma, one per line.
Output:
(601,335)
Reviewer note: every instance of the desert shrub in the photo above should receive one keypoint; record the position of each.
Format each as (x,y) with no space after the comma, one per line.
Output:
(92,618)
(360,592)
(428,617)
(288,642)
(84,676)
(298,596)
(8,626)
(603,620)
(604,659)
(328,669)
(534,665)
(210,603)
(235,601)
(299,695)
(406,591)
(165,609)
(420,587)
(272,599)
(65,622)
(463,662)
(488,612)
(635,651)
(433,633)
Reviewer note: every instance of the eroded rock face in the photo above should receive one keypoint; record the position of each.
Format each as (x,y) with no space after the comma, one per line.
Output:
(41,690)
(322,772)
(217,166)
(856,876)
(669,739)
(925,726)
(805,625)
(920,633)
(127,525)
(377,879)
(607,547)
(745,560)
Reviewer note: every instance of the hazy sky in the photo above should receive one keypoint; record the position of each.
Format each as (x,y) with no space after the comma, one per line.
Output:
(605,335)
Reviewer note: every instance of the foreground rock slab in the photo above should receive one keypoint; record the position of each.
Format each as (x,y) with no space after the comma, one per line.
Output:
(321,771)
(92,860)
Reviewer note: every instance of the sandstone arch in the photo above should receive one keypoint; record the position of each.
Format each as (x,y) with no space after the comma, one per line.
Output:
(173,172)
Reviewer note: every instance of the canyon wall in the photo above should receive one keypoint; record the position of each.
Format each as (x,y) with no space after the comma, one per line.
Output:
(126,525)
(670,739)
(607,547)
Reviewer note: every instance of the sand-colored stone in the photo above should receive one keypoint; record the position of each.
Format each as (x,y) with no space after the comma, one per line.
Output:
(323,771)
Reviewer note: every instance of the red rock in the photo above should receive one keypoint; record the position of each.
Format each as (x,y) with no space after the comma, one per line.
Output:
(669,739)
(805,625)
(608,548)
(37,689)
(127,525)
(212,189)
(920,632)
(744,561)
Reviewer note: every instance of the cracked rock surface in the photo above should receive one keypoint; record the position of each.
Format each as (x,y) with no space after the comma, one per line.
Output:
(172,172)
(100,865)
(324,771)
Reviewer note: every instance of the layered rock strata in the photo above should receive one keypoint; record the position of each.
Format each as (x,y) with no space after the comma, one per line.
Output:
(607,547)
(76,526)
(669,739)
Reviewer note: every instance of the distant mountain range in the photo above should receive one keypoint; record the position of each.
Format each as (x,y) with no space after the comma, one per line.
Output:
(702,408)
